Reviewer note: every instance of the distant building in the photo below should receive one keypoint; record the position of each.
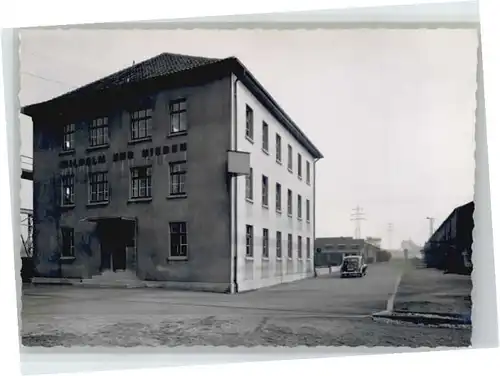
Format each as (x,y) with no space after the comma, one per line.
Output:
(414,250)
(377,242)
(396,253)
(450,246)
(331,251)
(138,176)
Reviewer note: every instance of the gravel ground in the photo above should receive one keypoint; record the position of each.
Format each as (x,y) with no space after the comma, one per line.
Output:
(243,331)
(430,290)
(326,311)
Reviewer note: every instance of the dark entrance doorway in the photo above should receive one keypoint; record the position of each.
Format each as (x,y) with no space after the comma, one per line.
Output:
(116,235)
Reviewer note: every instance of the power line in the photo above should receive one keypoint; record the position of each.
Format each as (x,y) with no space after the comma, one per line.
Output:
(49,80)
(357,216)
(64,61)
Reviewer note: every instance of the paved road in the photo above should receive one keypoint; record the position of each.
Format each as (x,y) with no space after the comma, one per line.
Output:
(323,311)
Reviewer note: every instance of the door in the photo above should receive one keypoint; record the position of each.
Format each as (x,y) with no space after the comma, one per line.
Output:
(119,258)
(106,247)
(113,255)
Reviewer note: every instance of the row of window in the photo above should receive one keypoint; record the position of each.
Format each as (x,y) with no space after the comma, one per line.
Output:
(140,184)
(178,240)
(265,197)
(342,246)
(249,133)
(141,122)
(279,241)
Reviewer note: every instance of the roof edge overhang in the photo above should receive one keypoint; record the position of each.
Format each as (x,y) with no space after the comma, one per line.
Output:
(265,98)
(455,210)
(75,97)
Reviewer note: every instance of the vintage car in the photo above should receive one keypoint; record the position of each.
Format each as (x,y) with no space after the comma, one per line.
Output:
(353,266)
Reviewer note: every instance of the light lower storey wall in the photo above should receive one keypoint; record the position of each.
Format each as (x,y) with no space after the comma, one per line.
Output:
(256,274)
(248,285)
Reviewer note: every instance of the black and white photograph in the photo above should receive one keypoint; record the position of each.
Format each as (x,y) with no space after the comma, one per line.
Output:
(247,187)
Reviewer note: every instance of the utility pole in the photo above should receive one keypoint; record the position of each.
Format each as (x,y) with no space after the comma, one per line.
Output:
(390,229)
(431,226)
(357,216)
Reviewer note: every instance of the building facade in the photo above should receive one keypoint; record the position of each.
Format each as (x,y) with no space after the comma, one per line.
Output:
(135,173)
(275,212)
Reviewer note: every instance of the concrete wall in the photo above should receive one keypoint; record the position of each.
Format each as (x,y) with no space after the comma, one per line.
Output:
(206,208)
(257,272)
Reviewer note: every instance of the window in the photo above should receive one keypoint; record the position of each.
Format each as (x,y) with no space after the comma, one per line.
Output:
(265,243)
(308,210)
(98,132)
(68,137)
(299,206)
(290,245)
(68,242)
(178,116)
(299,247)
(141,122)
(249,123)
(178,172)
(98,187)
(278,197)
(289,203)
(278,244)
(140,183)
(178,240)
(308,248)
(290,158)
(249,241)
(265,191)
(249,185)
(299,165)
(341,246)
(67,190)
(265,136)
(308,172)
(278,148)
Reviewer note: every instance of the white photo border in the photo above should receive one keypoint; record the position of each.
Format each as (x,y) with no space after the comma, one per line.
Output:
(457,362)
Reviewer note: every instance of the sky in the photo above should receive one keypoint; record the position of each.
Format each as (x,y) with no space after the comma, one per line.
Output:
(391,110)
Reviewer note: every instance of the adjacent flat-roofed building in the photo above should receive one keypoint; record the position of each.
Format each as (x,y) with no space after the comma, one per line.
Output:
(181,171)
(331,251)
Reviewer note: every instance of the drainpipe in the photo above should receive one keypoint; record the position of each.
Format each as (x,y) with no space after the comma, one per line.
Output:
(314,212)
(235,187)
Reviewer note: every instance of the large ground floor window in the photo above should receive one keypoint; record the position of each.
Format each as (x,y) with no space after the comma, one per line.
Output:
(178,240)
